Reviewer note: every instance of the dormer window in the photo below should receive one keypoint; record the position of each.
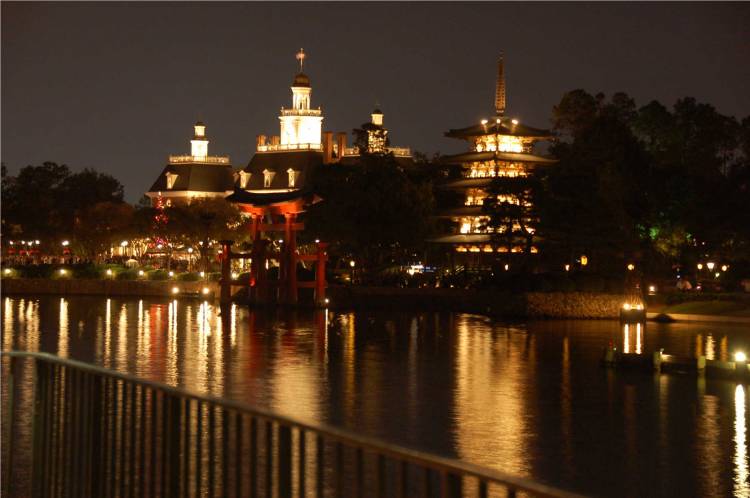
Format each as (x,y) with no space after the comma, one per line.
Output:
(268,178)
(244,179)
(293,176)
(171,178)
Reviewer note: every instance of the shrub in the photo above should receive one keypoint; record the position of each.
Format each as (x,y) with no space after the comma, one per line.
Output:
(127,275)
(158,275)
(188,277)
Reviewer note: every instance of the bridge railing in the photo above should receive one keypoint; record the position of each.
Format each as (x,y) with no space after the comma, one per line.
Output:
(99,433)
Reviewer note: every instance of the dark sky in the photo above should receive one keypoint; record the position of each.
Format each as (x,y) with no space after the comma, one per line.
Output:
(117,87)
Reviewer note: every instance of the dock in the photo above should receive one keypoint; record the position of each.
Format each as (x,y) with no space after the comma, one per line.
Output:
(668,363)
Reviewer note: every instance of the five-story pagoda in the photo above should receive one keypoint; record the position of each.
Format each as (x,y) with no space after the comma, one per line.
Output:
(501,147)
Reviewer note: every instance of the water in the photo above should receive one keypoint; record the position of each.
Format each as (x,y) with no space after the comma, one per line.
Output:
(526,398)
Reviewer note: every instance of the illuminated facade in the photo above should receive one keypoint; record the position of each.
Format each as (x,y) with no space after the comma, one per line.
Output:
(498,147)
(194,176)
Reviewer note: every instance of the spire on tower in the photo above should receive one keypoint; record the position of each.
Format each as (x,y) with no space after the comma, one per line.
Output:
(500,88)
(301,58)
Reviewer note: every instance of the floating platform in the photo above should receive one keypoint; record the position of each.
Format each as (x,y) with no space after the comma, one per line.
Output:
(660,362)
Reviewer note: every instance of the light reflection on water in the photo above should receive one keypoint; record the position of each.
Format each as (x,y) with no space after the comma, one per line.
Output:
(528,398)
(741,489)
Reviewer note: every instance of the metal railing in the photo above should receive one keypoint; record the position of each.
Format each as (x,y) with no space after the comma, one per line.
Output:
(99,433)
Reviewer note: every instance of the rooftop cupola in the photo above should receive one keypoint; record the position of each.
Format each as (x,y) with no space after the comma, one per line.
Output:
(377,117)
(300,125)
(199,143)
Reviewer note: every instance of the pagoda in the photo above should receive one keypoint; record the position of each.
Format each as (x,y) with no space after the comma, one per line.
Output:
(498,147)
(195,176)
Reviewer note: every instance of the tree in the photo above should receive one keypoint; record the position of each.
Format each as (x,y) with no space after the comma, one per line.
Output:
(42,202)
(100,226)
(509,206)
(31,200)
(595,197)
(203,221)
(372,210)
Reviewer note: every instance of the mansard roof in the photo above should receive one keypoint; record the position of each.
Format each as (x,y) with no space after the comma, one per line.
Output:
(196,178)
(279,162)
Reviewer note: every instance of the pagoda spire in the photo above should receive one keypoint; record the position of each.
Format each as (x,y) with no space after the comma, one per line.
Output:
(301,58)
(500,88)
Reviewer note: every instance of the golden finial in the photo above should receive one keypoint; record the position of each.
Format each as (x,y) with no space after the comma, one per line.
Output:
(300,57)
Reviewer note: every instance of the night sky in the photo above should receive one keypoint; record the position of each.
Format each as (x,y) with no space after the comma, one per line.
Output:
(117,87)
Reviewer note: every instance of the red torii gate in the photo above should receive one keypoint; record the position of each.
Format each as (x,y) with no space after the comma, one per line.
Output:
(283,209)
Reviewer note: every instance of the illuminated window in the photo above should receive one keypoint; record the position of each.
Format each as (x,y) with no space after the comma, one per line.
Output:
(268,177)
(293,176)
(244,178)
(171,178)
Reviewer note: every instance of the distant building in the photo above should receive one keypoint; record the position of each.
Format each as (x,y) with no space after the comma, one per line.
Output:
(498,147)
(195,176)
(375,141)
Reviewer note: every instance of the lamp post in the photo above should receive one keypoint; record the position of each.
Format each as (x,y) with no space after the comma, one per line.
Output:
(352,264)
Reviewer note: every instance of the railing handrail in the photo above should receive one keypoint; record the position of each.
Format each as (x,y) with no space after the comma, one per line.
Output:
(342,435)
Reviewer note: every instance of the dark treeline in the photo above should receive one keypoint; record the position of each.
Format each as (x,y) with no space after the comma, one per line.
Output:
(659,186)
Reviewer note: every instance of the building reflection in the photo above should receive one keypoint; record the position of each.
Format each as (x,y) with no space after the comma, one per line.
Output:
(632,338)
(63,326)
(491,409)
(741,486)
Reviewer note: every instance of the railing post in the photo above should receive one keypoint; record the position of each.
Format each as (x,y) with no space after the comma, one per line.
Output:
(285,460)
(9,461)
(174,445)
(96,435)
(450,485)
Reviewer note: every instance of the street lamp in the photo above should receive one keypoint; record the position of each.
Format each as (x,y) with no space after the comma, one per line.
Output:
(631,267)
(710,265)
(700,266)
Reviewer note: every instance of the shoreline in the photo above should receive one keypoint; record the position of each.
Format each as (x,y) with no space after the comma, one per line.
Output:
(494,304)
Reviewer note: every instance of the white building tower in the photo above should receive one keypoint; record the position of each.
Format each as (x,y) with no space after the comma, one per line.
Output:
(199,143)
(301,126)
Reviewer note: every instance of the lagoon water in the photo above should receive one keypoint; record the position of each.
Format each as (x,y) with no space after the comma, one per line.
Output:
(529,398)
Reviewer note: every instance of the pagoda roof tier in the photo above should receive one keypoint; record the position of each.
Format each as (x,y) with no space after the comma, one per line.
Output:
(467,183)
(461,211)
(515,157)
(195,177)
(461,238)
(506,126)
